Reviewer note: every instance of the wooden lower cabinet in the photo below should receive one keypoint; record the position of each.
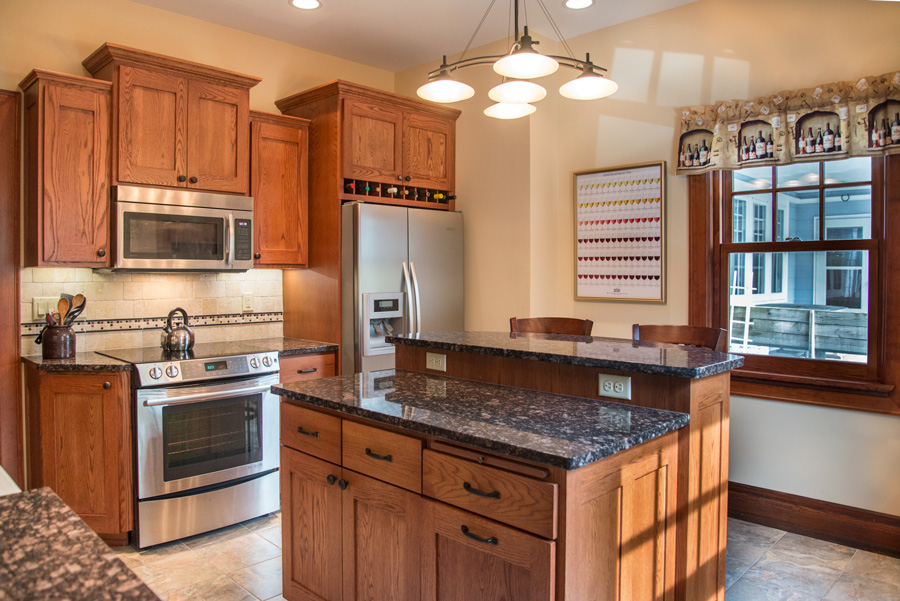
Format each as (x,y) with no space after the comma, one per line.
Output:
(306,367)
(467,557)
(80,445)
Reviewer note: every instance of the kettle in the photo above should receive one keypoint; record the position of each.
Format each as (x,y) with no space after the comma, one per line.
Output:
(179,339)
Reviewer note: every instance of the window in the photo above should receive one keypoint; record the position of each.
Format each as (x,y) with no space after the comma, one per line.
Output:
(800,275)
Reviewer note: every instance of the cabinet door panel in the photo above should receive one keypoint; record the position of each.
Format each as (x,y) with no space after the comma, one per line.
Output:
(152,127)
(428,151)
(279,182)
(75,207)
(311,528)
(382,541)
(457,567)
(218,137)
(372,141)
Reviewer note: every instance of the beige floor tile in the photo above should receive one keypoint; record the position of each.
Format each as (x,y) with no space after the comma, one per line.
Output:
(879,567)
(173,574)
(277,598)
(811,551)
(273,535)
(851,587)
(262,579)
(734,569)
(739,530)
(791,574)
(222,588)
(746,590)
(240,552)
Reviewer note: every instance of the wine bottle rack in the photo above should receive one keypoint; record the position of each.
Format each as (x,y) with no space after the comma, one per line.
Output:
(406,195)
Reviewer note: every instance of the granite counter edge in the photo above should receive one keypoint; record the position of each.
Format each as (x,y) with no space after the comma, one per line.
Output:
(87,362)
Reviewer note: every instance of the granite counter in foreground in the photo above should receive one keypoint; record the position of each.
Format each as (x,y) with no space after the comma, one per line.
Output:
(589,351)
(555,430)
(48,552)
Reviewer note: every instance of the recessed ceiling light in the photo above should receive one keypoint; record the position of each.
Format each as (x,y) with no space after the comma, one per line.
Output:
(576,4)
(305,4)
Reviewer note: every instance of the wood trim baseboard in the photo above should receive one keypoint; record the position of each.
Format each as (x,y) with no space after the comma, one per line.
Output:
(850,526)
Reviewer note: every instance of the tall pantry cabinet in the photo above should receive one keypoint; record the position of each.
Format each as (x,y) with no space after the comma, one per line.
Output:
(369,145)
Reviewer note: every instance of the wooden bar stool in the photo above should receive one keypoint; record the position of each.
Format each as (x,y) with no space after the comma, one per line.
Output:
(715,339)
(551,325)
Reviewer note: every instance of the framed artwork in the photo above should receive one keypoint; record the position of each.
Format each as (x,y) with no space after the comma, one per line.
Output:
(620,233)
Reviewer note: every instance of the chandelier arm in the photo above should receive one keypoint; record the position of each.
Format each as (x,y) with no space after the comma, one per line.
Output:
(574,63)
(468,62)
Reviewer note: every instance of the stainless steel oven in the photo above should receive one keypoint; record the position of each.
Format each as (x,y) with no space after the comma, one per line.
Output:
(206,442)
(179,230)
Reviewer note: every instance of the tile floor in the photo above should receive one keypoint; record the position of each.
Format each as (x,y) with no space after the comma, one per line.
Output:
(243,563)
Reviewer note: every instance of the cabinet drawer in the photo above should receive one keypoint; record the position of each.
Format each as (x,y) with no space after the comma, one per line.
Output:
(306,367)
(387,456)
(311,432)
(503,496)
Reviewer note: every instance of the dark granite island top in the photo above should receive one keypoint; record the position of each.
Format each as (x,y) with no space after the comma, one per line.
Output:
(555,430)
(48,552)
(589,351)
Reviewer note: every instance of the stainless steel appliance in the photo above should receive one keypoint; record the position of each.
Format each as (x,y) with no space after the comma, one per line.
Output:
(206,439)
(402,273)
(180,230)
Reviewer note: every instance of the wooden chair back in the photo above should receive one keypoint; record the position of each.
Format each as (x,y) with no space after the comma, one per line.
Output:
(712,338)
(551,325)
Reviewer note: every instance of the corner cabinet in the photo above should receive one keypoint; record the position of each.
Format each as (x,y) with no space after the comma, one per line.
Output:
(176,123)
(278,184)
(80,444)
(67,170)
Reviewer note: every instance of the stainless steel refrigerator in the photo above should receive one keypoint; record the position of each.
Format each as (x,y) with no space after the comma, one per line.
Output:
(401,272)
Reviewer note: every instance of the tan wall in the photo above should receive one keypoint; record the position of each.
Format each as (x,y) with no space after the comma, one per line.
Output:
(699,53)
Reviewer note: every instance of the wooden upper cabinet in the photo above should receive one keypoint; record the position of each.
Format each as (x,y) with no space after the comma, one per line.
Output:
(279,187)
(429,145)
(177,123)
(372,141)
(67,173)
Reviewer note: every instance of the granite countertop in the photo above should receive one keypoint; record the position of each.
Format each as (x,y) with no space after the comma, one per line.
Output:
(551,429)
(48,552)
(95,361)
(591,351)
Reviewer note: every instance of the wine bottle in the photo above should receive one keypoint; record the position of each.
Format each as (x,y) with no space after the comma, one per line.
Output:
(874,134)
(438,196)
(751,149)
(704,152)
(392,190)
(451,197)
(801,143)
(895,129)
(760,146)
(838,140)
(681,157)
(770,147)
(350,187)
(828,139)
(696,161)
(820,144)
(810,142)
(689,157)
(888,133)
(743,150)
(881,137)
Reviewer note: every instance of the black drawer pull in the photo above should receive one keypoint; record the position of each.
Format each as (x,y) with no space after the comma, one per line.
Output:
(343,484)
(378,457)
(300,430)
(488,541)
(308,371)
(330,479)
(481,493)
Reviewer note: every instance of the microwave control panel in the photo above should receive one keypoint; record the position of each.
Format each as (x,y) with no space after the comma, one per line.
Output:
(243,240)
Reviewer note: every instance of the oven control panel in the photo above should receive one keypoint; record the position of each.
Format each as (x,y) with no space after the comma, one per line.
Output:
(198,370)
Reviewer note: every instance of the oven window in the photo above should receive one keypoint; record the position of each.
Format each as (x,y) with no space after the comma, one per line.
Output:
(200,438)
(183,237)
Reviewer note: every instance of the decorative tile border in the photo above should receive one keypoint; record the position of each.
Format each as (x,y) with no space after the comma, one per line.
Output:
(151,323)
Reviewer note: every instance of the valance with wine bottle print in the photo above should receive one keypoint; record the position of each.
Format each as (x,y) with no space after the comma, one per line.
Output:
(835,120)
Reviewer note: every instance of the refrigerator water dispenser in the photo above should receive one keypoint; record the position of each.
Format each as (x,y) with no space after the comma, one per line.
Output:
(382,315)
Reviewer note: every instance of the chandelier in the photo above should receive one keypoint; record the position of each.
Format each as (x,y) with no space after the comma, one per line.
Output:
(516,93)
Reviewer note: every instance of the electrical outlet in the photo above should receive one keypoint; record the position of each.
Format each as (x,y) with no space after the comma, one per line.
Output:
(436,361)
(247,302)
(41,305)
(617,387)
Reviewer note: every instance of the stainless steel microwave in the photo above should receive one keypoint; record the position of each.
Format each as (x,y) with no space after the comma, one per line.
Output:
(158,229)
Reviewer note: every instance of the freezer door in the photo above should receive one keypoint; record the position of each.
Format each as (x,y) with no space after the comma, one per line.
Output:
(436,264)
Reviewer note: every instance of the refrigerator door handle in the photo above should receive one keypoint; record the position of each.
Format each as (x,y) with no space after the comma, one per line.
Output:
(408,293)
(412,268)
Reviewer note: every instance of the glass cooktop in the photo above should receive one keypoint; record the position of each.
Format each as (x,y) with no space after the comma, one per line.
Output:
(208,350)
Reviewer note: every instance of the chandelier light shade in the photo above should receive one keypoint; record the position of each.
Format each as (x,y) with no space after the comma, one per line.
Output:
(505,110)
(521,63)
(517,92)
(305,4)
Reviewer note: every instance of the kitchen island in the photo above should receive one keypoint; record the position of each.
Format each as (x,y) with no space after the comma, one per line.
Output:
(405,486)
(664,376)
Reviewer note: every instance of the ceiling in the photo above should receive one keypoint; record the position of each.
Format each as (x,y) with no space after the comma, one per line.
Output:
(398,34)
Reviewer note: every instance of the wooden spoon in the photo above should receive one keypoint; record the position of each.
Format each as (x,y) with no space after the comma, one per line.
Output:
(63,307)
(77,301)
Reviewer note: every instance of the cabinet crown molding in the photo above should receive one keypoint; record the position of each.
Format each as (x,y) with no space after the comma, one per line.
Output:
(114,54)
(64,78)
(276,119)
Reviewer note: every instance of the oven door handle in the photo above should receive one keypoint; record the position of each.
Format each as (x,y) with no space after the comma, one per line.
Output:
(205,396)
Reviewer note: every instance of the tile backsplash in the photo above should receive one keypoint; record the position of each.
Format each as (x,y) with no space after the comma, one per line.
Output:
(124,310)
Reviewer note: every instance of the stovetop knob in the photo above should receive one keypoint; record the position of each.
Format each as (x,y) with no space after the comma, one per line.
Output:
(267,361)
(172,371)
(254,363)
(155,373)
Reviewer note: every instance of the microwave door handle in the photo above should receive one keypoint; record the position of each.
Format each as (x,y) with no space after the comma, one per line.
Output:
(229,240)
(415,279)
(204,396)
(408,294)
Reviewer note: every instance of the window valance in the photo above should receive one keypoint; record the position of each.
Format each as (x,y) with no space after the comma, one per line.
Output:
(835,120)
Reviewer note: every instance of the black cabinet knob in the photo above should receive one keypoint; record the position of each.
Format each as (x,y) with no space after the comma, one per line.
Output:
(407,178)
(330,479)
(182,178)
(193,180)
(343,484)
(107,386)
(101,253)
(257,256)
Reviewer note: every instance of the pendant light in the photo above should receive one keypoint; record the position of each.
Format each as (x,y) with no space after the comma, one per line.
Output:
(521,63)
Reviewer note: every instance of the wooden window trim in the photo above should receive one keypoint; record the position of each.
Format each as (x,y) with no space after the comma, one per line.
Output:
(874,392)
